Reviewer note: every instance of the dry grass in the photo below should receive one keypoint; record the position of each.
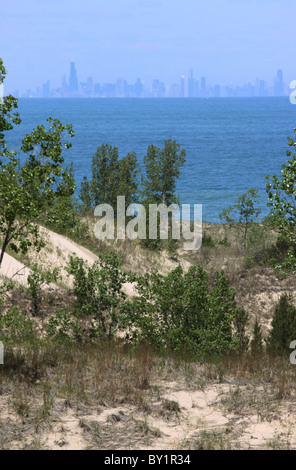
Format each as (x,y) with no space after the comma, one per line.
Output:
(107,397)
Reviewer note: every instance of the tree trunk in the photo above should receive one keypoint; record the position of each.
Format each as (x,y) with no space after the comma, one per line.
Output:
(4,246)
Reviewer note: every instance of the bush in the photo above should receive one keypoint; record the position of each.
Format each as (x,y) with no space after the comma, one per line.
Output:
(98,291)
(181,312)
(36,281)
(283,326)
(63,327)
(257,341)
(15,327)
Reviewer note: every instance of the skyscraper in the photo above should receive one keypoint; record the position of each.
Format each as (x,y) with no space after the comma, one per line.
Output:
(73,80)
(46,90)
(182,87)
(278,89)
(203,87)
(191,85)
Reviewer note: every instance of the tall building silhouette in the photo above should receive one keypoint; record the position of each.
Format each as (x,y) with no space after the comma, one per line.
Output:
(46,90)
(73,80)
(191,84)
(182,87)
(203,87)
(278,89)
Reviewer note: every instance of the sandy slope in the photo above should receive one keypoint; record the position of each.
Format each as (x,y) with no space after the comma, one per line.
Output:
(200,409)
(55,254)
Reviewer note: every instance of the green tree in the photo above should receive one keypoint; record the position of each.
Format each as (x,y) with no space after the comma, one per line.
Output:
(240,323)
(162,169)
(64,217)
(36,281)
(7,117)
(283,326)
(111,177)
(29,190)
(282,200)
(257,340)
(31,181)
(98,291)
(243,213)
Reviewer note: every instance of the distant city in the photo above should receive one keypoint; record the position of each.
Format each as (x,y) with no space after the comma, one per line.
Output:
(188,87)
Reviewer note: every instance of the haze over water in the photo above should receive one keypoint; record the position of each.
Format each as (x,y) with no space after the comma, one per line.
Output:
(231,144)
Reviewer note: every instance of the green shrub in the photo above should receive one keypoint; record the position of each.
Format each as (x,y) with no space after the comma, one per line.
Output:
(63,327)
(98,290)
(15,327)
(181,312)
(283,326)
(207,240)
(257,340)
(36,281)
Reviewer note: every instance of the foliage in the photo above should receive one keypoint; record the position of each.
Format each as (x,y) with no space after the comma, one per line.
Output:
(162,168)
(240,324)
(243,213)
(282,200)
(98,290)
(180,312)
(111,177)
(256,343)
(258,241)
(15,327)
(36,281)
(283,326)
(63,217)
(7,117)
(63,327)
(30,182)
(5,287)
(28,191)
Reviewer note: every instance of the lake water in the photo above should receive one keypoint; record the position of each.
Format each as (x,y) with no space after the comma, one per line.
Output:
(231,143)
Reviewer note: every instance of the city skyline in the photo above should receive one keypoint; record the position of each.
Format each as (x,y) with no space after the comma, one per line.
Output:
(226,41)
(189,86)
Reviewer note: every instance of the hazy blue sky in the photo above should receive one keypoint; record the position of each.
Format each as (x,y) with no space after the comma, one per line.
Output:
(228,41)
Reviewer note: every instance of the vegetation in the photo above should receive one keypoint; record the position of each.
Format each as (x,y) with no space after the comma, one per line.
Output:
(283,330)
(181,313)
(243,213)
(111,177)
(91,345)
(30,183)
(282,200)
(162,168)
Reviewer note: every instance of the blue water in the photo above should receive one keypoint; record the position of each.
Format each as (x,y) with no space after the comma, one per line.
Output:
(230,143)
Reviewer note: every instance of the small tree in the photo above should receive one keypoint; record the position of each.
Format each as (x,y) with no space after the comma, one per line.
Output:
(64,217)
(7,105)
(31,182)
(111,177)
(37,280)
(162,169)
(29,190)
(243,213)
(257,340)
(98,291)
(240,323)
(283,326)
(282,200)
